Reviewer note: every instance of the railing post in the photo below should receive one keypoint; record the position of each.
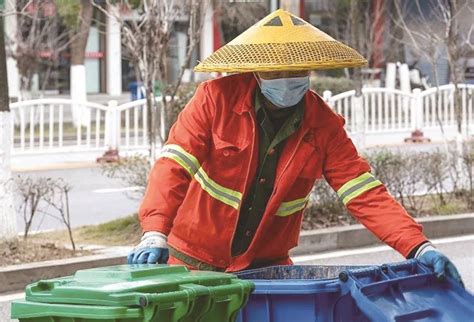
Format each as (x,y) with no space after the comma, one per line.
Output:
(420,115)
(416,116)
(359,116)
(416,107)
(112,131)
(327,95)
(116,119)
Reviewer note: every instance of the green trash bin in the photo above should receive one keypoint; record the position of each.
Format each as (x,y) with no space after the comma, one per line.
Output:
(126,293)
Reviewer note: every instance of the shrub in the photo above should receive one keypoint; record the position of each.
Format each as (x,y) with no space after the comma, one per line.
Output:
(334,84)
(133,171)
(324,208)
(467,169)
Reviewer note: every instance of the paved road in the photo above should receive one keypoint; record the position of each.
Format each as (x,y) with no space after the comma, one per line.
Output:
(459,249)
(94,198)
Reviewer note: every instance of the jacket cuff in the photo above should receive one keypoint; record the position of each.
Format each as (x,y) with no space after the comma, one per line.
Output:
(414,252)
(156,223)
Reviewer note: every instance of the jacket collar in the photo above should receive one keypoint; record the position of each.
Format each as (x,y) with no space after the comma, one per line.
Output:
(247,85)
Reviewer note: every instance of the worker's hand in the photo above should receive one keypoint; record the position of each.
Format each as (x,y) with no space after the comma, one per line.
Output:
(441,265)
(152,249)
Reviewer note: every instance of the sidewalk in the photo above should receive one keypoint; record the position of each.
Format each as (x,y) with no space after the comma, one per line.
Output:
(84,159)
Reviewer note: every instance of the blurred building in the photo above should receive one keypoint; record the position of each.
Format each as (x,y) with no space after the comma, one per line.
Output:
(108,70)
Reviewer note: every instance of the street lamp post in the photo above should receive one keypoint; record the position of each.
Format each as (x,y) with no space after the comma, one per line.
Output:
(7,211)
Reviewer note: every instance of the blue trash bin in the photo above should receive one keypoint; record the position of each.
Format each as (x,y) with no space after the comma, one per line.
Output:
(402,292)
(135,90)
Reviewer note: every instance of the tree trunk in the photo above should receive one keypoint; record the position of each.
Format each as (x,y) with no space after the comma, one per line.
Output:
(151,121)
(68,221)
(7,211)
(355,16)
(78,70)
(78,46)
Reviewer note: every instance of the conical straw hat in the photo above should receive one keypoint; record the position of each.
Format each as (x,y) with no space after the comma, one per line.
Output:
(281,42)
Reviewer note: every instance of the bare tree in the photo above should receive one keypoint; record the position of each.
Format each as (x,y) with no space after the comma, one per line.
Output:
(58,199)
(429,26)
(39,40)
(147,27)
(32,192)
(235,17)
(133,171)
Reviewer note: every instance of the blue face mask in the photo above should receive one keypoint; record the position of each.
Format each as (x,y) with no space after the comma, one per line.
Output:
(284,92)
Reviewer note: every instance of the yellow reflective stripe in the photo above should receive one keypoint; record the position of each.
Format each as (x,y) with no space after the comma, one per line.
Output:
(178,160)
(191,164)
(290,207)
(357,186)
(227,196)
(348,185)
(186,160)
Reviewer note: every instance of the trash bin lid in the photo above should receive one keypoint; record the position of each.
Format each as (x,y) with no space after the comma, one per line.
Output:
(125,285)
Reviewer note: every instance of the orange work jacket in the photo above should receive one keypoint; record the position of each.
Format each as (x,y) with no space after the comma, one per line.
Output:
(206,167)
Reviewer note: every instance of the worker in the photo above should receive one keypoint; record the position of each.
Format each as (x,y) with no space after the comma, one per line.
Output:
(229,188)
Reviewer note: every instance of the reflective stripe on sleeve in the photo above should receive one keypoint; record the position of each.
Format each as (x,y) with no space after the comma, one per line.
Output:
(290,207)
(185,159)
(355,187)
(191,164)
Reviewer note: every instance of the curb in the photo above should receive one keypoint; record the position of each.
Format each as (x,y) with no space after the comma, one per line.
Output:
(355,236)
(55,166)
(16,277)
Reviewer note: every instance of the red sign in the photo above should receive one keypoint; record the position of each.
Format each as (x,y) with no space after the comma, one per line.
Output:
(94,54)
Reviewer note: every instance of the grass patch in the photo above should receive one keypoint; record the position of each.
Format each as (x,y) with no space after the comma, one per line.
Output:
(120,232)
(124,231)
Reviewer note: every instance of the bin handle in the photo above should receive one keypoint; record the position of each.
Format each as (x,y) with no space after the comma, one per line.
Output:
(146,299)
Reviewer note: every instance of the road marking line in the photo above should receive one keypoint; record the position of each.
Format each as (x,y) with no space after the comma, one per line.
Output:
(376,249)
(448,240)
(12,297)
(111,190)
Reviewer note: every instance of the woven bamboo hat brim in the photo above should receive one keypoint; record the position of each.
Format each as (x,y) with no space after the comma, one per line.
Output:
(281,42)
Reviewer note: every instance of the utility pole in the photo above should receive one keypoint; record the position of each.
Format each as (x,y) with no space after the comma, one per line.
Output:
(7,210)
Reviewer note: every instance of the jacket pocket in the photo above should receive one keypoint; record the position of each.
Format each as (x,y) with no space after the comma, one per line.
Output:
(225,147)
(226,162)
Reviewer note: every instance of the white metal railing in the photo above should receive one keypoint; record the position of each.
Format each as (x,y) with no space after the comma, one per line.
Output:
(438,105)
(382,110)
(51,125)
